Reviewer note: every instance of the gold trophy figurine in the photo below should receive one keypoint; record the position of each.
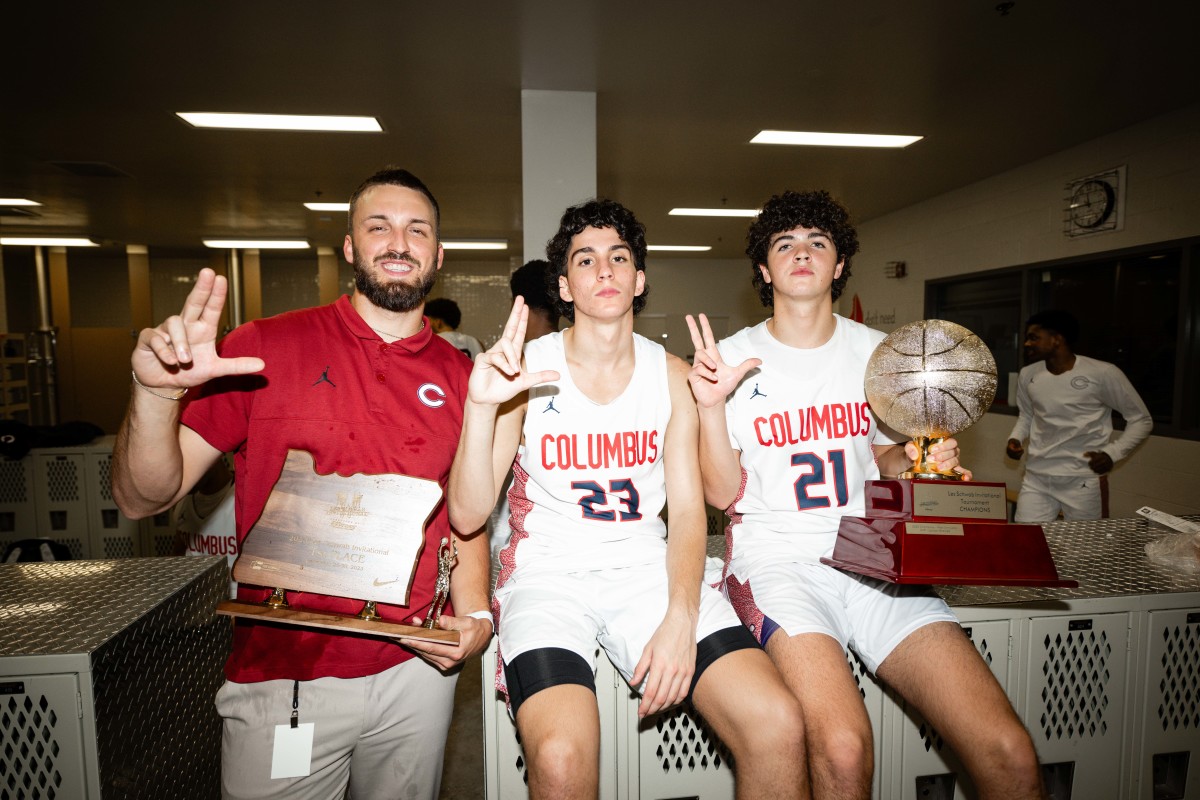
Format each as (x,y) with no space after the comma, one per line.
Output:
(447,556)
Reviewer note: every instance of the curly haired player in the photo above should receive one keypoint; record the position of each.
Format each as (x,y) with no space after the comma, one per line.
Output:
(786,441)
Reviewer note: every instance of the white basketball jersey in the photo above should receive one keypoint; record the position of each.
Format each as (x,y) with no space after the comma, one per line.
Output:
(588,481)
(804,429)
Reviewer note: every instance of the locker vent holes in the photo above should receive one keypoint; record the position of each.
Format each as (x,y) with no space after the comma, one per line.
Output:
(106,479)
(859,671)
(1074,699)
(12,482)
(118,547)
(63,481)
(686,744)
(1179,698)
(27,759)
(520,762)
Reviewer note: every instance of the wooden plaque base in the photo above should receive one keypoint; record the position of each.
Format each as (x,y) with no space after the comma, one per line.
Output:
(942,533)
(337,622)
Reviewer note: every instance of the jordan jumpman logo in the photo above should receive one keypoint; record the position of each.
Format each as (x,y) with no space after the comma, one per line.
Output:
(325,377)
(757,393)
(550,407)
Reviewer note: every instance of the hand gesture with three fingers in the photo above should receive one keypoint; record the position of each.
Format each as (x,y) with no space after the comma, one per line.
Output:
(499,374)
(711,378)
(182,351)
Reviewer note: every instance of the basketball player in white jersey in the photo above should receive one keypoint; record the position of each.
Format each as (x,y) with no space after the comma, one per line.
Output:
(786,441)
(603,427)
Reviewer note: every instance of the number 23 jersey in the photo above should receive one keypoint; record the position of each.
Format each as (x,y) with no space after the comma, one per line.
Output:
(588,481)
(804,429)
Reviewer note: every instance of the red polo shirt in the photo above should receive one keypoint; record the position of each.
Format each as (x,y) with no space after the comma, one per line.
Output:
(332,387)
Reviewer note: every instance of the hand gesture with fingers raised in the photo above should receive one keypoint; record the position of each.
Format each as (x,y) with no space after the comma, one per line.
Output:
(182,351)
(711,378)
(499,374)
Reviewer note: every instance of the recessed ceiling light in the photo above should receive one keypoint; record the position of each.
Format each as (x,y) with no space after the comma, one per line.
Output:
(714,212)
(475,244)
(678,248)
(327,206)
(13,202)
(48,241)
(817,139)
(280,122)
(256,244)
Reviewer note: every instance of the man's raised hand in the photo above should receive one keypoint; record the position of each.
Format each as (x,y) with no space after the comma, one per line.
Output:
(182,351)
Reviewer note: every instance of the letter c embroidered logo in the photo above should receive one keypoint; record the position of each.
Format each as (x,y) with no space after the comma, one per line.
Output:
(432,395)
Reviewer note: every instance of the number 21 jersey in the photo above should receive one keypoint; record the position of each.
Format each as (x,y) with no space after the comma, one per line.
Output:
(804,429)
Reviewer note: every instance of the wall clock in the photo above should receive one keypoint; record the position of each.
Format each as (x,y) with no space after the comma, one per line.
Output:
(1092,203)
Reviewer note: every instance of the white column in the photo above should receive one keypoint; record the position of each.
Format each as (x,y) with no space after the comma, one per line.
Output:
(558,160)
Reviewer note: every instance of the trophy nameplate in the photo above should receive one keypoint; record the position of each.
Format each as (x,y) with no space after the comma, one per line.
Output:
(357,537)
(930,380)
(924,500)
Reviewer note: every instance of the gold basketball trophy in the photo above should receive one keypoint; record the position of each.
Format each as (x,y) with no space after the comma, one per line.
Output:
(930,380)
(357,537)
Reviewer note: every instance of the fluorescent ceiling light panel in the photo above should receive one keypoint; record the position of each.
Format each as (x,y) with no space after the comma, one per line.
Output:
(13,202)
(475,244)
(678,248)
(815,139)
(256,244)
(280,122)
(48,241)
(327,206)
(714,212)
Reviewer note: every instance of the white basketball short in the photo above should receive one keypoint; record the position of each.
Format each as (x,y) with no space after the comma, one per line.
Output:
(869,616)
(619,609)
(1078,497)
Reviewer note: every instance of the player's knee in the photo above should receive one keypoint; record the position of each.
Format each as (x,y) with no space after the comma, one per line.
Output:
(775,727)
(1009,749)
(560,760)
(844,753)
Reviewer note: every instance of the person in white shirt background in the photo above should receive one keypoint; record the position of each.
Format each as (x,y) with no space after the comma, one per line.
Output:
(1066,403)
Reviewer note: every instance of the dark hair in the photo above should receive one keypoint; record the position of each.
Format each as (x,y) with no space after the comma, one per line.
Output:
(394,176)
(534,282)
(595,214)
(1057,321)
(790,210)
(446,310)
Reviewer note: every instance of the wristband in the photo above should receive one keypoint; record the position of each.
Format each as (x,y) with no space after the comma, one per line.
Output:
(484,614)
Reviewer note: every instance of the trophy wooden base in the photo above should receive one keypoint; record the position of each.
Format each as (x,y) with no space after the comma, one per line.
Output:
(898,544)
(337,622)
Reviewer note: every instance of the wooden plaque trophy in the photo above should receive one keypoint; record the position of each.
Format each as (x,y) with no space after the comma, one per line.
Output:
(356,537)
(929,380)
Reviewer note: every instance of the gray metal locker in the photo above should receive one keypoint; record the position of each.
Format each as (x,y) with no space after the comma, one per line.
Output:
(108,670)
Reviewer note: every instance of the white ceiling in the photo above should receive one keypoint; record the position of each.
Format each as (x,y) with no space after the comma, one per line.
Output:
(681,87)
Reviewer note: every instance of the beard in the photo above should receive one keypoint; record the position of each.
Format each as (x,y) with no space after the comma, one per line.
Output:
(396,295)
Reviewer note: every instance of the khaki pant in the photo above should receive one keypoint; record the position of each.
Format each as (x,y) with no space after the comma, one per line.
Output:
(382,736)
